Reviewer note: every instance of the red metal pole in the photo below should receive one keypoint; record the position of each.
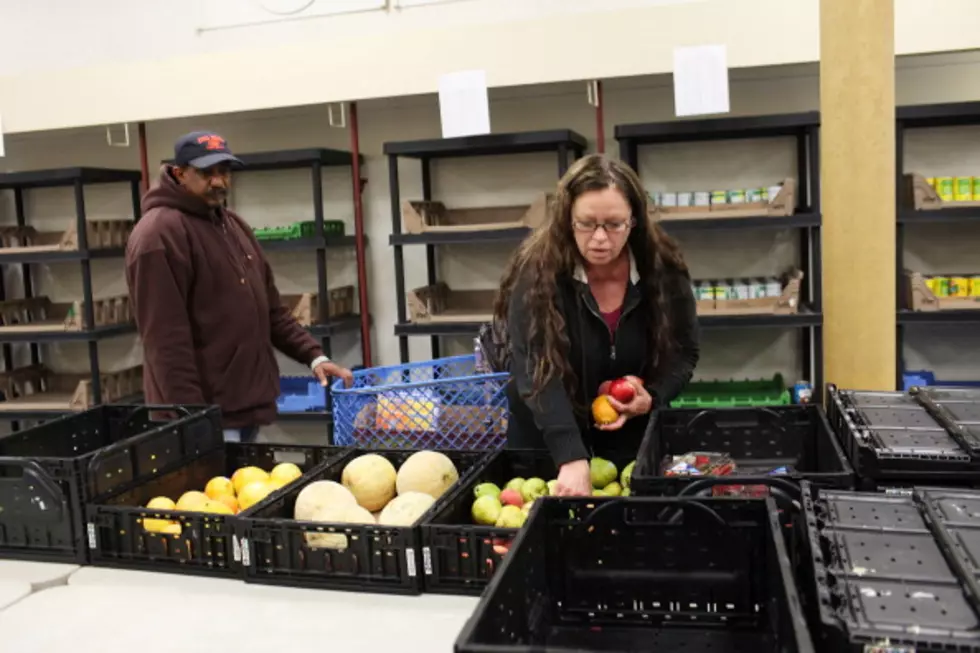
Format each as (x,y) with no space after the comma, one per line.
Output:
(144,160)
(362,280)
(600,124)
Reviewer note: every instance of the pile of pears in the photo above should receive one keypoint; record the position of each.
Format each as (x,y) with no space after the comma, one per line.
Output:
(509,507)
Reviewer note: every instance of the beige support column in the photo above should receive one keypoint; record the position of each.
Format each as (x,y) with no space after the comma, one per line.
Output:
(857,172)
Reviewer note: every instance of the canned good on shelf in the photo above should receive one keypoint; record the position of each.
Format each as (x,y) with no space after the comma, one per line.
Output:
(685,198)
(940,286)
(976,189)
(741,289)
(931,181)
(963,189)
(959,287)
(655,197)
(723,291)
(753,195)
(773,287)
(705,291)
(773,191)
(668,199)
(702,198)
(736,197)
(757,288)
(944,188)
(975,286)
(719,197)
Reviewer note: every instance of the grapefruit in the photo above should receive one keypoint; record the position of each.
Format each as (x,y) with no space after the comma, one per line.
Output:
(192,500)
(371,479)
(219,486)
(229,500)
(285,473)
(161,525)
(252,493)
(430,472)
(217,507)
(246,475)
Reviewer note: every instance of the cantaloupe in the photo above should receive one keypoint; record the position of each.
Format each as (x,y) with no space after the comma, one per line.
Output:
(321,494)
(430,472)
(405,509)
(371,479)
(342,513)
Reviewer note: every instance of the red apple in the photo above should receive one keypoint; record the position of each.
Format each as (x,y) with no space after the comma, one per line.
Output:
(604,388)
(622,391)
(512,498)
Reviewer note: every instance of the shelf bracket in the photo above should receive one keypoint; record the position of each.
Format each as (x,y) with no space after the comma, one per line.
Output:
(123,143)
(332,119)
(592,93)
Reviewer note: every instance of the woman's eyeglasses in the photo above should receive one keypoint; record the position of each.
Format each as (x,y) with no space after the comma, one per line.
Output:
(610,226)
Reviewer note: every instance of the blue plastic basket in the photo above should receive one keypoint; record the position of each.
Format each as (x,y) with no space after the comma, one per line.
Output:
(300,394)
(443,403)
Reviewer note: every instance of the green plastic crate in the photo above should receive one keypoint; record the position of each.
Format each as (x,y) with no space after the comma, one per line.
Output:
(732,394)
(303,229)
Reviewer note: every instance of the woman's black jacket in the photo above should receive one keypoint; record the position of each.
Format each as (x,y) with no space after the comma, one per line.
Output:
(549,419)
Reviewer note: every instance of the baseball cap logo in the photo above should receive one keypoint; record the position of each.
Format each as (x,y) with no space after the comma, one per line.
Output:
(212,142)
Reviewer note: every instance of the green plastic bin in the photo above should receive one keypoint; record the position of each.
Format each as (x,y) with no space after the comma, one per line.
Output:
(733,394)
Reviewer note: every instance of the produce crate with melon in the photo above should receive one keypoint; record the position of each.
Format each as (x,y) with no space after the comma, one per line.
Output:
(185,521)
(352,524)
(467,537)
(49,473)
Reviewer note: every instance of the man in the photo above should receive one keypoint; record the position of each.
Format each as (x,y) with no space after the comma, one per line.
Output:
(204,296)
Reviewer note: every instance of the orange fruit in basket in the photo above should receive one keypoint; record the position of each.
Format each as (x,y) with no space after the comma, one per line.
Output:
(192,500)
(246,476)
(252,493)
(285,473)
(602,411)
(219,486)
(229,500)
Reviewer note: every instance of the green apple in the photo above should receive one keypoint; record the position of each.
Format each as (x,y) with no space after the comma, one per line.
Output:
(486,489)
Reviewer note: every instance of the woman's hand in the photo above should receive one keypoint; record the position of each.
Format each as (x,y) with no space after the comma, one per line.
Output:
(641,404)
(574,479)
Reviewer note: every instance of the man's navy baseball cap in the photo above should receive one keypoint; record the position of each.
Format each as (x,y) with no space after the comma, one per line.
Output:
(202,150)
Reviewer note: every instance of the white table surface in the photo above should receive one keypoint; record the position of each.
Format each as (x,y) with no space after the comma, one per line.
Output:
(12,591)
(110,611)
(39,575)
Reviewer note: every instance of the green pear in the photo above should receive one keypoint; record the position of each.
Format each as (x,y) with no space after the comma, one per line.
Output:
(614,489)
(515,484)
(533,488)
(553,487)
(603,472)
(486,489)
(599,493)
(486,510)
(510,517)
(625,492)
(627,476)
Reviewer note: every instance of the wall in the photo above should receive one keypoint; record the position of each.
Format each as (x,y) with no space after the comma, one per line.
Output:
(273,197)
(140,61)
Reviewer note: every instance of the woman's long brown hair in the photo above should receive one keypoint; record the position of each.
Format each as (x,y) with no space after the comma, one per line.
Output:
(550,252)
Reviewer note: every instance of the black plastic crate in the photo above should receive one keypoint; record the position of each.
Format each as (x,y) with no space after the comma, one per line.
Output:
(378,558)
(897,438)
(652,574)
(48,473)
(460,557)
(207,544)
(895,571)
(758,439)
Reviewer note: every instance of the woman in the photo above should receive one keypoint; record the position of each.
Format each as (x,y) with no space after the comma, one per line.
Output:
(597,293)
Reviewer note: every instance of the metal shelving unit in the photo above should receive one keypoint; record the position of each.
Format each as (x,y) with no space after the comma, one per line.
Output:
(563,142)
(920,117)
(316,159)
(77,178)
(805,128)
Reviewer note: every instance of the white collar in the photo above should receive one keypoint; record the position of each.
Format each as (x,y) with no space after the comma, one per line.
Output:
(582,277)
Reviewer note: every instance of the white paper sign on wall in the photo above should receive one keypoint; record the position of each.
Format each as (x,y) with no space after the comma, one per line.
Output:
(701,80)
(464,105)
